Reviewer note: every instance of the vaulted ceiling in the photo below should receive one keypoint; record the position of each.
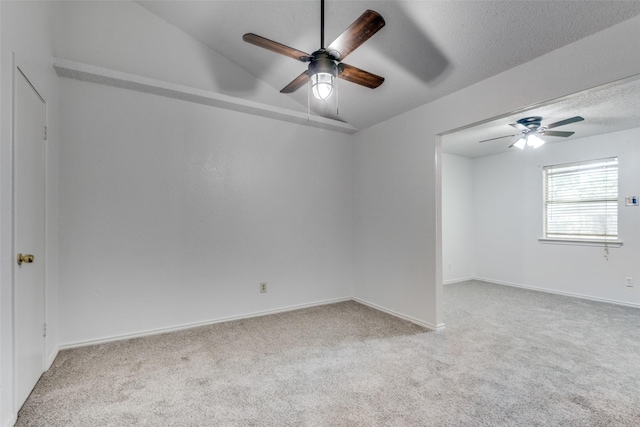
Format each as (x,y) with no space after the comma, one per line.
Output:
(427,49)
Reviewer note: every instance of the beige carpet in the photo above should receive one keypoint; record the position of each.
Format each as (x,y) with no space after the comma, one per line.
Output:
(508,357)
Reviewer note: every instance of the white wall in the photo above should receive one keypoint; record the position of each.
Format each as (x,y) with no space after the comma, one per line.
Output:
(457,218)
(508,222)
(172,213)
(26,29)
(396,231)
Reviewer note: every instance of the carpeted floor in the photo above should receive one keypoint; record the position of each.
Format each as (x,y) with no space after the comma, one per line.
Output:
(509,357)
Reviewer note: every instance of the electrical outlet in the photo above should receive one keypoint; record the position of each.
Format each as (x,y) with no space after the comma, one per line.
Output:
(629,282)
(263,287)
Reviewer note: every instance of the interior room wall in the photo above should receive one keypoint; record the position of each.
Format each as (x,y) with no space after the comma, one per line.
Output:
(396,233)
(173,213)
(26,30)
(509,214)
(457,218)
(85,34)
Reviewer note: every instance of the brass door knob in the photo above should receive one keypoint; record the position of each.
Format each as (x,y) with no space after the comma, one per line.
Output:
(25,258)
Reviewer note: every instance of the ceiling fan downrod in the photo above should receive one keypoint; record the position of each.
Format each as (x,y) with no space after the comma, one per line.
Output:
(323,67)
(322,24)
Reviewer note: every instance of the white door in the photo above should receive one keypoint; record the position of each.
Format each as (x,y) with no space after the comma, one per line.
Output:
(29,136)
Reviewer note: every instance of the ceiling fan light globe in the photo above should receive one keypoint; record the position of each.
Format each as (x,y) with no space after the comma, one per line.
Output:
(322,86)
(520,143)
(534,141)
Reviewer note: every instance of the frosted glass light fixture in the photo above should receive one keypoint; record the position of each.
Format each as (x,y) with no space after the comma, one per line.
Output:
(322,85)
(520,143)
(530,140)
(534,141)
(323,70)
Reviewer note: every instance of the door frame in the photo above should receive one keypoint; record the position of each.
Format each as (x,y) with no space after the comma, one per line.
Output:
(18,69)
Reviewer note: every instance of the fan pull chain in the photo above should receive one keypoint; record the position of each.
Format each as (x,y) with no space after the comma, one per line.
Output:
(337,104)
(309,103)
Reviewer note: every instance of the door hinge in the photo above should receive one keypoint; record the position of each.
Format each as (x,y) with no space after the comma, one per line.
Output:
(44,330)
(45,133)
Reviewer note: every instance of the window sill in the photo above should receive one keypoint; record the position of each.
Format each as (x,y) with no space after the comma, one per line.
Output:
(581,242)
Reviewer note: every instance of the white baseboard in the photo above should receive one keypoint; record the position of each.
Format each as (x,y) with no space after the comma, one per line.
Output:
(553,291)
(197,324)
(464,279)
(418,322)
(51,358)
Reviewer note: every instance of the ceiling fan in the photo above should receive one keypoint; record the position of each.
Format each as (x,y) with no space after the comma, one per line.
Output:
(531,129)
(326,63)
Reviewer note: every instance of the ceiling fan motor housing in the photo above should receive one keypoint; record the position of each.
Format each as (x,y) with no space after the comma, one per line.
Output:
(532,123)
(323,62)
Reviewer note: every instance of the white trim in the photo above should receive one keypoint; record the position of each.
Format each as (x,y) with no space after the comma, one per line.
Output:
(464,279)
(581,242)
(17,70)
(105,76)
(12,130)
(438,304)
(51,358)
(427,325)
(197,324)
(158,331)
(551,291)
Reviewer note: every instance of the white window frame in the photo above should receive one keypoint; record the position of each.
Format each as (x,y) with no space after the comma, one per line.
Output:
(611,235)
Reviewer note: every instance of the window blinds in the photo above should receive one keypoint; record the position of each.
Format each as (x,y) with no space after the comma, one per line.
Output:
(581,200)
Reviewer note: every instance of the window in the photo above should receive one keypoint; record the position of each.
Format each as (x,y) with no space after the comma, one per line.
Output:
(581,200)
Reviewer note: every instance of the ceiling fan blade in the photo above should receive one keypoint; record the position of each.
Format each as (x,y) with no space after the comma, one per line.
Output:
(557,133)
(356,75)
(519,126)
(565,122)
(369,23)
(276,47)
(500,137)
(297,83)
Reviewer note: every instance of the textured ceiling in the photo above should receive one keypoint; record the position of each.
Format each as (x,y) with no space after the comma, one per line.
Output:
(606,109)
(427,49)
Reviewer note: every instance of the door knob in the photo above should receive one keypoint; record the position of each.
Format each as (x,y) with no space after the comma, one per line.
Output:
(25,258)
